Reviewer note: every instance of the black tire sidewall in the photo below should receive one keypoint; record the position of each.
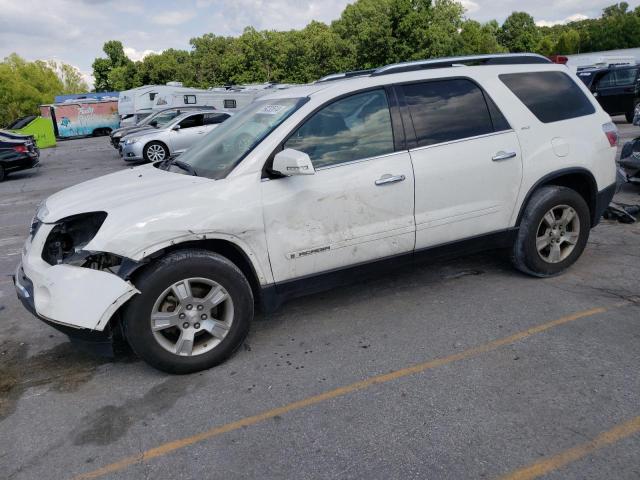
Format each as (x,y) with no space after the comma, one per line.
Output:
(525,251)
(173,268)
(146,147)
(3,173)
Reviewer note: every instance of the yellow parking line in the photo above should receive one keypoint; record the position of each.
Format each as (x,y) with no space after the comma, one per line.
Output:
(172,446)
(562,459)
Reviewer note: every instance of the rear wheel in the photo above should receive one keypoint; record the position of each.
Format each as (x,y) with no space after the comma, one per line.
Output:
(155,152)
(553,232)
(193,312)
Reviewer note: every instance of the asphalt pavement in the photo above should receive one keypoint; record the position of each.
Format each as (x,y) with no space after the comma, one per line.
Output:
(461,369)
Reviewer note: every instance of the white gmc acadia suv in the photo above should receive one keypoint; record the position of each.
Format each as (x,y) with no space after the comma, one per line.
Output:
(314,185)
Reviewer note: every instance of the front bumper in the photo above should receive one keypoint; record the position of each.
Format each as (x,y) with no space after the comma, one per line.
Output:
(132,152)
(100,342)
(71,298)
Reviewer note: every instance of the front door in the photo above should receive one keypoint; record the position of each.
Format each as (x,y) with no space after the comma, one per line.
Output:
(466,161)
(356,208)
(191,129)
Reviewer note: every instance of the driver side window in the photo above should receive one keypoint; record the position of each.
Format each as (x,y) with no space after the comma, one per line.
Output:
(352,128)
(192,121)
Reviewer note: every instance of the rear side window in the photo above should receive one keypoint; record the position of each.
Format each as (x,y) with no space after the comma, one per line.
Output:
(229,103)
(443,111)
(189,99)
(550,96)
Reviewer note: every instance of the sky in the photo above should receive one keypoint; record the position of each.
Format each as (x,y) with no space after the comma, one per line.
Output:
(73,31)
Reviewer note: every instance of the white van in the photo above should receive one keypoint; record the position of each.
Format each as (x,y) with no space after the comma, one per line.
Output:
(313,186)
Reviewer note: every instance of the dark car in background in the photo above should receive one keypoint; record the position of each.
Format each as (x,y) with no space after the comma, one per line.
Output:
(155,120)
(17,154)
(616,87)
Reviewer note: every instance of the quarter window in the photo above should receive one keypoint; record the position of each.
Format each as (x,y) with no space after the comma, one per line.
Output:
(550,96)
(189,99)
(229,104)
(447,110)
(352,128)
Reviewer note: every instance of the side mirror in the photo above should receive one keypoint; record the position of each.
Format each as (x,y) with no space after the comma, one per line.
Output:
(153,123)
(176,127)
(291,162)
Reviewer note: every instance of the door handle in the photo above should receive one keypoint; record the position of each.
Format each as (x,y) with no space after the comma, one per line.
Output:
(387,179)
(503,156)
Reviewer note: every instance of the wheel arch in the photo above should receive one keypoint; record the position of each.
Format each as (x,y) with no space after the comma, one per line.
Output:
(227,248)
(578,179)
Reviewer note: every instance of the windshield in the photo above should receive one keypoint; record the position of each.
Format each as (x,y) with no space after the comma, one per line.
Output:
(161,119)
(216,154)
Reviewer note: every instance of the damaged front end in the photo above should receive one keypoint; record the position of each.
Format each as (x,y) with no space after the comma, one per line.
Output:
(70,287)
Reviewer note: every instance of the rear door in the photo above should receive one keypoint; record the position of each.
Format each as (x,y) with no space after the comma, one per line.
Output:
(466,161)
(357,207)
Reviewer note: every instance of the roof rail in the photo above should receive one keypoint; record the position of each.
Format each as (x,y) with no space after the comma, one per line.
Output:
(341,75)
(495,59)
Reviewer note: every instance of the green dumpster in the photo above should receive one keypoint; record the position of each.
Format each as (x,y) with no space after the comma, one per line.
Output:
(41,128)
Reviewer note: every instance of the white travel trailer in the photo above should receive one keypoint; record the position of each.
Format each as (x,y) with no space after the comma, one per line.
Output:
(137,103)
(231,98)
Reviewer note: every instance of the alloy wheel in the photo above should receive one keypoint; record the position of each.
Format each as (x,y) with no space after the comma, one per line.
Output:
(155,153)
(192,316)
(558,234)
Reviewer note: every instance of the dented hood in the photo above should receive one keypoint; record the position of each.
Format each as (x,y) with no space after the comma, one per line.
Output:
(126,189)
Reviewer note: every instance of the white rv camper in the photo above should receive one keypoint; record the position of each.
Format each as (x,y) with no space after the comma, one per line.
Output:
(230,98)
(137,103)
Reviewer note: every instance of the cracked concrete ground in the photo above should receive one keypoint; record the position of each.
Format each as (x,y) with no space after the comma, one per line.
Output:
(65,413)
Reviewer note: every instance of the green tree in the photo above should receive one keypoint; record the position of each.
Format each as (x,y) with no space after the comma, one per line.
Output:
(24,86)
(568,42)
(116,59)
(479,38)
(519,33)
(71,78)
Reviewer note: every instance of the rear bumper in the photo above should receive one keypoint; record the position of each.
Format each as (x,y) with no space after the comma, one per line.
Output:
(603,199)
(29,160)
(98,342)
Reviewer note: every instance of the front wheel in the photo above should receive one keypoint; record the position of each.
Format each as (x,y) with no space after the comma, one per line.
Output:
(193,312)
(553,232)
(155,152)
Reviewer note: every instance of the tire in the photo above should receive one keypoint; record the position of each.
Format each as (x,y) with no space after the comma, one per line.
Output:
(153,152)
(229,321)
(560,247)
(629,116)
(3,173)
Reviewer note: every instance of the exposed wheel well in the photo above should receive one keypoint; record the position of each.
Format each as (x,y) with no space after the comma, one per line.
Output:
(226,249)
(580,180)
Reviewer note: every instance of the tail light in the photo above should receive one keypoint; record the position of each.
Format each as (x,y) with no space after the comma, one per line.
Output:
(611,131)
(20,148)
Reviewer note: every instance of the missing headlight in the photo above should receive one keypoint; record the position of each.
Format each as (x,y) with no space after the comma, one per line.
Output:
(67,239)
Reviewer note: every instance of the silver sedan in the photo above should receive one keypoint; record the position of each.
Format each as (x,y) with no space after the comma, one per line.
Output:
(172,139)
